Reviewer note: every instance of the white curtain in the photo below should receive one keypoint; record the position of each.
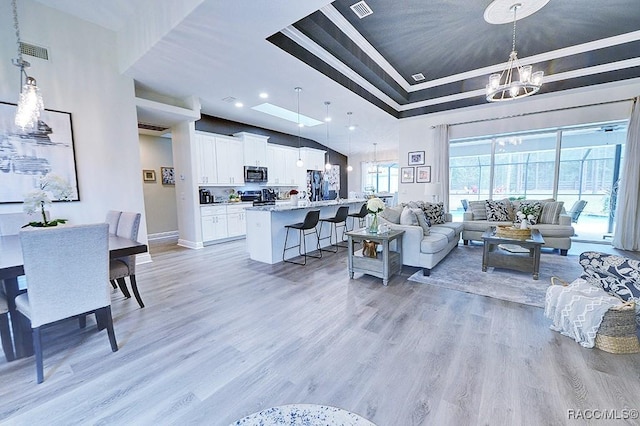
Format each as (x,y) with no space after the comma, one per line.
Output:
(441,174)
(627,233)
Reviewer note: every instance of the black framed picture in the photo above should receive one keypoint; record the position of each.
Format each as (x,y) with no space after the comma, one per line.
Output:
(27,156)
(416,158)
(407,174)
(423,174)
(168,177)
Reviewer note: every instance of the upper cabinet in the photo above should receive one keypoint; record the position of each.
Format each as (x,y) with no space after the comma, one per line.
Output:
(255,149)
(229,161)
(313,158)
(206,161)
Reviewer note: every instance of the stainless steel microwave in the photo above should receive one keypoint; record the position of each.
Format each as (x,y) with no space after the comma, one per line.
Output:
(255,174)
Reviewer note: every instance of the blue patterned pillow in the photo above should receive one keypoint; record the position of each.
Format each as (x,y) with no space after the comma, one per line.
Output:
(617,275)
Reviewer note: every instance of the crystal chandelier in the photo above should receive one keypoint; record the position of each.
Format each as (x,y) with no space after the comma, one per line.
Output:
(30,104)
(503,87)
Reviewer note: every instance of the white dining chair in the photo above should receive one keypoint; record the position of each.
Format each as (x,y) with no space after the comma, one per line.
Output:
(67,273)
(123,267)
(5,332)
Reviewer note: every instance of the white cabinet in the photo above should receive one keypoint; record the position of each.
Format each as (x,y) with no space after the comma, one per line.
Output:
(206,161)
(313,158)
(276,165)
(291,170)
(229,161)
(236,221)
(255,149)
(214,222)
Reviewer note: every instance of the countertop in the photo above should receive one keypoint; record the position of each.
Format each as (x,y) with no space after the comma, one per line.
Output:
(289,207)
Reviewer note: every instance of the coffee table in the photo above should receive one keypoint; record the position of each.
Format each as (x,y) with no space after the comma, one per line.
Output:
(385,264)
(526,262)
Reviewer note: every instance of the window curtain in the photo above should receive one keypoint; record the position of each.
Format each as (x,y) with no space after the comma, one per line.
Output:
(441,174)
(627,233)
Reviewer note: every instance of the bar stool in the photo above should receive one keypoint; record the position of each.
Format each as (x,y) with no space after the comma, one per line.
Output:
(310,222)
(360,216)
(339,220)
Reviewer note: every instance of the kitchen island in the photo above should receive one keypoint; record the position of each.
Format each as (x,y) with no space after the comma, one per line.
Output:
(266,227)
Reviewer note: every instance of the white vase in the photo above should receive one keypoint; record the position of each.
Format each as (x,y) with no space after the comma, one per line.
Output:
(524,224)
(294,200)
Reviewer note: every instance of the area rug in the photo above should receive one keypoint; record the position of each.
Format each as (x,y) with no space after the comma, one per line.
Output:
(461,270)
(303,415)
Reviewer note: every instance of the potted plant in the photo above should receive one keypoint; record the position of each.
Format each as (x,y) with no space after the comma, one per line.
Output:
(36,200)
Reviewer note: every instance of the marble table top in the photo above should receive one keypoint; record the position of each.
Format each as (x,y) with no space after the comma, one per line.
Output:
(303,415)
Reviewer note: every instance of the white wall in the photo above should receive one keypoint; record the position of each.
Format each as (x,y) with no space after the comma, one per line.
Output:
(159,199)
(82,78)
(537,112)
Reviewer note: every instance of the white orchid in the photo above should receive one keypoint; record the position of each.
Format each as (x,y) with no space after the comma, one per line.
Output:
(375,205)
(36,200)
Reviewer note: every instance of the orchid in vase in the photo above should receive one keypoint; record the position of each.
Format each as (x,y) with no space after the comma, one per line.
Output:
(35,201)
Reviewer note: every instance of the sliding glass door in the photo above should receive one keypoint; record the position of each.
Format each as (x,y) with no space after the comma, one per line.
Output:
(579,166)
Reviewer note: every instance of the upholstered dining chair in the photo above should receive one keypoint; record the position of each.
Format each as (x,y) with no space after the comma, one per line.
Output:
(67,272)
(113,217)
(5,332)
(124,267)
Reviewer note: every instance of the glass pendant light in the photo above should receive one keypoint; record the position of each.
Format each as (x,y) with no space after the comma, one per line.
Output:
(299,163)
(349,166)
(327,166)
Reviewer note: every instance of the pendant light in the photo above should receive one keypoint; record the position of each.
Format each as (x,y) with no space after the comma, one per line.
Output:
(349,167)
(327,119)
(299,163)
(374,168)
(30,103)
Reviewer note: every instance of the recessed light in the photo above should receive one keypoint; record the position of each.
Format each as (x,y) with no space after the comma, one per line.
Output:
(264,95)
(239,104)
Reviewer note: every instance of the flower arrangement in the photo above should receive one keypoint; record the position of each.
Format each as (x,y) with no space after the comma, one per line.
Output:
(375,205)
(293,192)
(528,212)
(36,200)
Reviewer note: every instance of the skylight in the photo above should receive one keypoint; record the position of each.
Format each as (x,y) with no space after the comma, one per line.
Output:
(285,114)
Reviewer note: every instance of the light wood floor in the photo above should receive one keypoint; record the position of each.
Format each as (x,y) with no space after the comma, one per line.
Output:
(223,336)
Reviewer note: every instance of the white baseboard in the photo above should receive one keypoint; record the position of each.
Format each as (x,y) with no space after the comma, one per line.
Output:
(163,236)
(190,244)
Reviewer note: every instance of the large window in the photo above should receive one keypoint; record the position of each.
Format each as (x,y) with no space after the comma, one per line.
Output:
(567,164)
(380,177)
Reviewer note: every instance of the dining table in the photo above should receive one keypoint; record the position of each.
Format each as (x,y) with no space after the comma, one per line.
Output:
(11,267)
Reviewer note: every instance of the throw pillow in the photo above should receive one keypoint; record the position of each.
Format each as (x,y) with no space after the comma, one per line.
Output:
(424,223)
(551,212)
(434,213)
(416,204)
(408,217)
(392,214)
(532,207)
(478,210)
(497,210)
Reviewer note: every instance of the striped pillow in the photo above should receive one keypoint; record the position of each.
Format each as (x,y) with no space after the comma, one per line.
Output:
(551,212)
(478,210)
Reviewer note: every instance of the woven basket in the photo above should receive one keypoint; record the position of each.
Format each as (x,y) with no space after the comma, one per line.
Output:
(617,332)
(511,232)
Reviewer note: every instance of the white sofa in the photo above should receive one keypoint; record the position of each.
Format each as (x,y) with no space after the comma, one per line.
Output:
(556,235)
(426,251)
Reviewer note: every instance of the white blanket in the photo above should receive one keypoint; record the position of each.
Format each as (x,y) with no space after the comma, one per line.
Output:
(577,310)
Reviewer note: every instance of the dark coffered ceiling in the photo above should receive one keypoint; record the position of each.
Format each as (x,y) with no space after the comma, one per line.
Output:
(575,43)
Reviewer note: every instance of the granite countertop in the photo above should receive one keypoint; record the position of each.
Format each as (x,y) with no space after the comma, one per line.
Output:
(288,207)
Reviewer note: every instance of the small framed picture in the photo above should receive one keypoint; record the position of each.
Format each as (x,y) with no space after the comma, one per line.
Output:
(416,158)
(423,174)
(167,176)
(149,175)
(407,174)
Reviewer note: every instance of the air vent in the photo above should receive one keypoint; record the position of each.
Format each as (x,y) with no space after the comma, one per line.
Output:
(35,51)
(153,127)
(361,9)
(418,77)
(229,99)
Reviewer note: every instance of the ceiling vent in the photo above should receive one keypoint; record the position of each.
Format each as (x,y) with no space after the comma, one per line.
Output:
(152,127)
(361,9)
(35,51)
(418,77)
(229,99)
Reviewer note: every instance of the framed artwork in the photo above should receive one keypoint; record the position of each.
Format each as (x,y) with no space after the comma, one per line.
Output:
(406,174)
(168,177)
(25,157)
(416,158)
(423,174)
(149,175)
